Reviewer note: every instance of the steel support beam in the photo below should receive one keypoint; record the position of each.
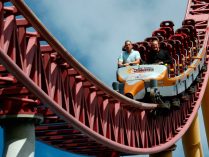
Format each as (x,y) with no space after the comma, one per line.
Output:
(205,111)
(191,140)
(165,153)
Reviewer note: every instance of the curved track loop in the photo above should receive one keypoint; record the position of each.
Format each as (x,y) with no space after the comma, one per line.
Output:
(81,114)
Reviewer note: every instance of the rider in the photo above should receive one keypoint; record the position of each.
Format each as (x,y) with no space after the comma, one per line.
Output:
(129,56)
(158,56)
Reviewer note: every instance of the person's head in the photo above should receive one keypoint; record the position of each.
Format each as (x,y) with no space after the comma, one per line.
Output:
(155,45)
(128,46)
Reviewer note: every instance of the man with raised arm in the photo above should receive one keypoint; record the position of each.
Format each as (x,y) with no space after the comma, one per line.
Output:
(157,55)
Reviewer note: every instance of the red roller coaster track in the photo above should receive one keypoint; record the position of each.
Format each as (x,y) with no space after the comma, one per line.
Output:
(81,114)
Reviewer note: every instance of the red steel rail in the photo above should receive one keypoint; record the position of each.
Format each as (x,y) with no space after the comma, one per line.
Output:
(80,113)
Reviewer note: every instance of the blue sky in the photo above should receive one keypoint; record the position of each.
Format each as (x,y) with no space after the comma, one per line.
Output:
(94,32)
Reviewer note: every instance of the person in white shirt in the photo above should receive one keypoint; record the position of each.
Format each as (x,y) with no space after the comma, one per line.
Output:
(129,56)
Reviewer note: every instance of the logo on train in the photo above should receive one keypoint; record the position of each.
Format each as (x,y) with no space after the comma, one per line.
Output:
(142,70)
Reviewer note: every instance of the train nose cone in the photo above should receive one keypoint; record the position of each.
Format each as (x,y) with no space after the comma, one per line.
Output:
(129,95)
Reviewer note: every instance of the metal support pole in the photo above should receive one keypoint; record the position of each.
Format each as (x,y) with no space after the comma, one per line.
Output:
(165,153)
(19,139)
(19,134)
(205,111)
(191,140)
